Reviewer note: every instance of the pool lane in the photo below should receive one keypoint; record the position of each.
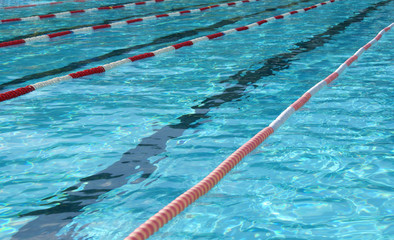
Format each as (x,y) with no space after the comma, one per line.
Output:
(51,220)
(156,42)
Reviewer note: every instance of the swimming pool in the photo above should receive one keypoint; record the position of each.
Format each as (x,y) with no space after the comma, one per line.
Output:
(94,157)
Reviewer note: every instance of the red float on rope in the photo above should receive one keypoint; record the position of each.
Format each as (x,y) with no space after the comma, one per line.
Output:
(69,13)
(157,221)
(41,4)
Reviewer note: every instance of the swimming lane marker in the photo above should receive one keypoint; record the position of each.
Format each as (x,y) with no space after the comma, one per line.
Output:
(70,13)
(157,221)
(40,4)
(21,91)
(85,30)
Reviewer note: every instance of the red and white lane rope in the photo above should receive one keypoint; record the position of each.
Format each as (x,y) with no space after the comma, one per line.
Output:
(70,13)
(86,30)
(40,4)
(21,91)
(157,221)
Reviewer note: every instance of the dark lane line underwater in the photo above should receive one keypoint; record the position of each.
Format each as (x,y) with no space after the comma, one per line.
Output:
(51,220)
(161,40)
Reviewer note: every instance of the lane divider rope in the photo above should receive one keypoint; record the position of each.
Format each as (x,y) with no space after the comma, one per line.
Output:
(40,4)
(100,69)
(71,13)
(85,30)
(157,221)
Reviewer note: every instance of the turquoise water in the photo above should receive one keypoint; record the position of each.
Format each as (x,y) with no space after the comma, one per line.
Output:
(94,157)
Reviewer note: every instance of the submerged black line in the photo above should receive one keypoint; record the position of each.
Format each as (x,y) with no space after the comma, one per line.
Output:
(51,220)
(161,40)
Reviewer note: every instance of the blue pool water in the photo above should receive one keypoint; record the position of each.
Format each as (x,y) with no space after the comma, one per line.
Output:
(94,157)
